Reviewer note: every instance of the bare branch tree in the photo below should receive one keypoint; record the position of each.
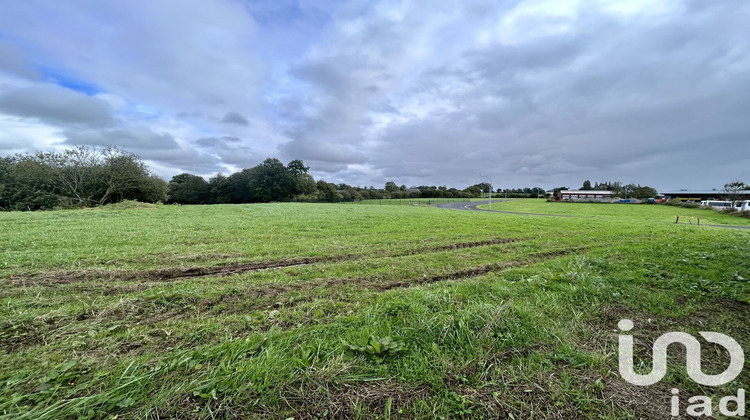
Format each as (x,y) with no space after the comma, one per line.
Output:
(121,171)
(734,189)
(92,176)
(75,170)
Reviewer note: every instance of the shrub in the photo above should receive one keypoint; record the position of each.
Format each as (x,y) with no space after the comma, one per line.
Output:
(684,204)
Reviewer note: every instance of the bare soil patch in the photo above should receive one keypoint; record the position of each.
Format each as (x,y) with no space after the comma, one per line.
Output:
(168,274)
(342,403)
(646,402)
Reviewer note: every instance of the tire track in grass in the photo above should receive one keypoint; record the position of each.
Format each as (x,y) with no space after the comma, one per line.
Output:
(180,273)
(271,293)
(140,311)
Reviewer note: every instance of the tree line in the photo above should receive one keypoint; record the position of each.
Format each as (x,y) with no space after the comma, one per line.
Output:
(85,177)
(273,181)
(269,181)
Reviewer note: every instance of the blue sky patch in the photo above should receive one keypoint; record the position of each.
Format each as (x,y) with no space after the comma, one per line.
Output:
(57,77)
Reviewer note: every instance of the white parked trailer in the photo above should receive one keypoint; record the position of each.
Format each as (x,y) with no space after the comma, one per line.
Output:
(716,204)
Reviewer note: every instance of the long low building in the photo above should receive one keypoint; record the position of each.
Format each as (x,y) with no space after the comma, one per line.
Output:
(697,195)
(585,195)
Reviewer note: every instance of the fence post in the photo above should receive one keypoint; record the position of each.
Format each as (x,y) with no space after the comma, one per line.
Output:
(678,219)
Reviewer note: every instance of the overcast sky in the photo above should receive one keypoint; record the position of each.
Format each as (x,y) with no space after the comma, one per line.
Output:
(529,93)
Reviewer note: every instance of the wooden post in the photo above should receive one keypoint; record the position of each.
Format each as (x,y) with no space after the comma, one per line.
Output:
(678,219)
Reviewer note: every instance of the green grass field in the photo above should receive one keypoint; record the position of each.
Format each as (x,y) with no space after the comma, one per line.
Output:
(416,201)
(354,311)
(641,213)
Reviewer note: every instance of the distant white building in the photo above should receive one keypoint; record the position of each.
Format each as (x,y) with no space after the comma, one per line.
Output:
(585,195)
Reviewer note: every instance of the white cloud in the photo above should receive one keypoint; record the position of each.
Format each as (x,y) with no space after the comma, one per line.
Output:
(19,136)
(53,104)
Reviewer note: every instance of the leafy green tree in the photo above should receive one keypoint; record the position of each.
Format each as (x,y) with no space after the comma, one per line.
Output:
(151,189)
(305,185)
(538,192)
(327,192)
(302,183)
(474,190)
(296,167)
(645,192)
(270,181)
(556,191)
(586,186)
(391,186)
(6,182)
(350,194)
(217,189)
(188,189)
(638,191)
(236,188)
(484,187)
(30,185)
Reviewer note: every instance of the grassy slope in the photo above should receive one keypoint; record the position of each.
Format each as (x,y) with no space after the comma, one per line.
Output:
(532,334)
(636,212)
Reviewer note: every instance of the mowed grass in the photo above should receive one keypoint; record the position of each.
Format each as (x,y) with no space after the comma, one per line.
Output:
(642,213)
(351,311)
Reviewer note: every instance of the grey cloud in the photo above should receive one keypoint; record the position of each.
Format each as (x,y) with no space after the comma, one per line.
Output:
(321,151)
(343,74)
(596,109)
(235,118)
(13,61)
(184,160)
(326,168)
(159,148)
(189,115)
(212,142)
(230,150)
(56,105)
(541,54)
(239,157)
(137,140)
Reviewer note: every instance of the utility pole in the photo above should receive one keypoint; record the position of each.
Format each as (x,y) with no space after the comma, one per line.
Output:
(489,200)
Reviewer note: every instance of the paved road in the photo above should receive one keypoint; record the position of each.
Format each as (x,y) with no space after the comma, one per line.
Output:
(474,205)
